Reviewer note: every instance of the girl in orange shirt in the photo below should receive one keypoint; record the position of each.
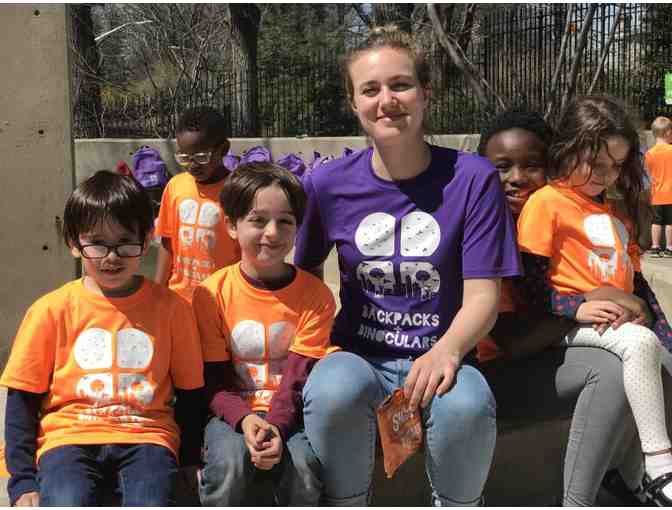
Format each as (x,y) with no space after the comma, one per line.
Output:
(586,254)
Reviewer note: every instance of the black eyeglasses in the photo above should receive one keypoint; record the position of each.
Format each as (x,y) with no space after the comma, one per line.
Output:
(100,251)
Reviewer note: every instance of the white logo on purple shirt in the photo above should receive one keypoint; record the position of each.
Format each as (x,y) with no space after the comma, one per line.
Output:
(420,237)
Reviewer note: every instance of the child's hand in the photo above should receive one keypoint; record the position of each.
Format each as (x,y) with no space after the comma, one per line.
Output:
(271,451)
(639,310)
(28,499)
(251,426)
(599,312)
(263,441)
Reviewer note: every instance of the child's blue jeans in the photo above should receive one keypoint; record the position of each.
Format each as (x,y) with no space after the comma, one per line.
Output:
(341,396)
(229,471)
(80,475)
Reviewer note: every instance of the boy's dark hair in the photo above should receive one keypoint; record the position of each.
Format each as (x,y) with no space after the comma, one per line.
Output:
(516,119)
(209,122)
(240,188)
(107,196)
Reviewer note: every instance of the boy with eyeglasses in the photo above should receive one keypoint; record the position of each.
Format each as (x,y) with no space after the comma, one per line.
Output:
(105,375)
(194,239)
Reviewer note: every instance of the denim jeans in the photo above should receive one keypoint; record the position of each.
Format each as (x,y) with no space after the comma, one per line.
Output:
(341,397)
(79,475)
(586,384)
(229,472)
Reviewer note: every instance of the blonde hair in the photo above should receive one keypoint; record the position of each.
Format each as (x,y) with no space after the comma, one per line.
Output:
(387,36)
(661,126)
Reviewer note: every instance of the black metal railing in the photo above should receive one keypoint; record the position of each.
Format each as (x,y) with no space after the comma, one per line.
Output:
(515,49)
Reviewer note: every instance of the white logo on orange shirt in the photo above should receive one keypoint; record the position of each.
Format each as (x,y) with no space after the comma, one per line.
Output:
(609,238)
(198,222)
(114,398)
(259,365)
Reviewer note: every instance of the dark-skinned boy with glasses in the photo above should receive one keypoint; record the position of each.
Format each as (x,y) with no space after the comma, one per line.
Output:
(194,239)
(106,373)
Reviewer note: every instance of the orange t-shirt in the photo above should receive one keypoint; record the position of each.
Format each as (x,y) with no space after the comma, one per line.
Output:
(192,218)
(256,328)
(108,365)
(588,245)
(659,164)
(487,349)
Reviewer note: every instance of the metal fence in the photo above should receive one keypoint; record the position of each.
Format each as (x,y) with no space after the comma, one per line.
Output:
(516,50)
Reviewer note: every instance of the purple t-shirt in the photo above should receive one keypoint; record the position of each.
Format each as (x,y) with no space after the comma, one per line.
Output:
(404,247)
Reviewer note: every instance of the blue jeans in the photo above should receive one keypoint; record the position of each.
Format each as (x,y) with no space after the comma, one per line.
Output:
(341,396)
(229,472)
(79,475)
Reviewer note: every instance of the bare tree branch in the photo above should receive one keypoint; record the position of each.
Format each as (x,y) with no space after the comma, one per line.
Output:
(605,49)
(359,9)
(580,46)
(561,61)
(479,85)
(464,37)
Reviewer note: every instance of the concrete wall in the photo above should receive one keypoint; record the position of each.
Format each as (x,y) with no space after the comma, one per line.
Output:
(36,167)
(96,154)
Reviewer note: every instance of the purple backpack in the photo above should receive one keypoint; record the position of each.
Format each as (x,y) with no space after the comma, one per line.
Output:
(230,161)
(148,168)
(256,154)
(293,163)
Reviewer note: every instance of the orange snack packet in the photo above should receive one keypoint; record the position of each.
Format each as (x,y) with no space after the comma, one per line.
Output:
(400,430)
(3,466)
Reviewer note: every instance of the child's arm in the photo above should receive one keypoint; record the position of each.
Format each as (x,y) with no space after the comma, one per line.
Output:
(230,407)
(521,334)
(533,285)
(164,262)
(286,404)
(21,426)
(660,326)
(189,416)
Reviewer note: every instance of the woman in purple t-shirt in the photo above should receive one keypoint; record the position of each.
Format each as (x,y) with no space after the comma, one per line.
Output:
(423,236)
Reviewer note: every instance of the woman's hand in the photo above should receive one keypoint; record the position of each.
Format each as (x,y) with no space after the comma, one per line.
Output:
(433,373)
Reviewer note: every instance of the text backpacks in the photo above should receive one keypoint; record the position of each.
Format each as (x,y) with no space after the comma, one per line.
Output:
(148,168)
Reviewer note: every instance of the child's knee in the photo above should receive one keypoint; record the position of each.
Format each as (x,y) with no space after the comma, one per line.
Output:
(643,340)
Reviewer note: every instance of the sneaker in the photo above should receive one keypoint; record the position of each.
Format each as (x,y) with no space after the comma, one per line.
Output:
(619,494)
(654,252)
(666,253)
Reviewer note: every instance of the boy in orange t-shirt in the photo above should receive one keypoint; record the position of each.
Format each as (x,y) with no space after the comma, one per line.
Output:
(194,239)
(263,325)
(97,363)
(659,164)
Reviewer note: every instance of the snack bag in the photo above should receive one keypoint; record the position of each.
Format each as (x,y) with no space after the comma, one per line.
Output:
(4,473)
(400,431)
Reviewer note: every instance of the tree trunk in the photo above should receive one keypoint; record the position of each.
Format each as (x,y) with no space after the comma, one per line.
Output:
(245,19)
(485,94)
(85,72)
